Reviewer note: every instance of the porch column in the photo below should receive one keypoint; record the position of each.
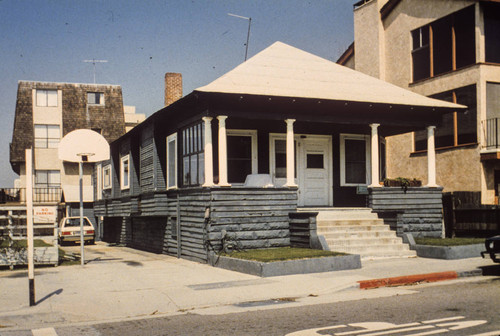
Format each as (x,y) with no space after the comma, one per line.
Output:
(375,158)
(222,152)
(290,154)
(431,158)
(209,165)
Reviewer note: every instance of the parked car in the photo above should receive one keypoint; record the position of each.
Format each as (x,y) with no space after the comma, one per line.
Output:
(69,230)
(492,248)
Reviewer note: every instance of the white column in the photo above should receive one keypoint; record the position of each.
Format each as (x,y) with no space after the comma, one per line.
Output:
(290,154)
(222,152)
(375,157)
(431,158)
(208,150)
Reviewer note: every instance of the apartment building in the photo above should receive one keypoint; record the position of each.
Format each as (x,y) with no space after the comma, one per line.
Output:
(445,49)
(46,112)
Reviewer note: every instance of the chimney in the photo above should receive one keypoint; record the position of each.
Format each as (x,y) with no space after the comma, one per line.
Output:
(173,87)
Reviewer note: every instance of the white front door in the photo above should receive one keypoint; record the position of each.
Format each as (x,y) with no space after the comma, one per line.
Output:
(313,167)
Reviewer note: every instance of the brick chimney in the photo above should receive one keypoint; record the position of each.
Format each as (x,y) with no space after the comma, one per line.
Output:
(173,87)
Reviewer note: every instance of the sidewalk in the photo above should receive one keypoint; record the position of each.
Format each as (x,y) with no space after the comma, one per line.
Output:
(120,283)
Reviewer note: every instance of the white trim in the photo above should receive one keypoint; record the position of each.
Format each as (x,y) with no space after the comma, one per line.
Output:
(364,137)
(172,138)
(99,181)
(253,136)
(104,169)
(124,186)
(272,159)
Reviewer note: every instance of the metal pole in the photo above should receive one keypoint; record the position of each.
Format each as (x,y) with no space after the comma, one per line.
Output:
(82,256)
(29,223)
(248,37)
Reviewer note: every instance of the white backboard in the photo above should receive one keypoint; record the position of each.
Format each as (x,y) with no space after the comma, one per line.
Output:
(83,145)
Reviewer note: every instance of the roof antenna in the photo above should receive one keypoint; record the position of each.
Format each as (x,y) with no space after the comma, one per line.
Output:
(248,34)
(94,61)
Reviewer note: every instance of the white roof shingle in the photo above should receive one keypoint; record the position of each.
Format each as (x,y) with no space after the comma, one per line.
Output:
(283,70)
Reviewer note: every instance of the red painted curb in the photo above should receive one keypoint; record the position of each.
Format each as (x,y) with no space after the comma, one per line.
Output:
(407,280)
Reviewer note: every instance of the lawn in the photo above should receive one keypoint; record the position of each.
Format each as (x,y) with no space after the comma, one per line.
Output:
(449,241)
(281,253)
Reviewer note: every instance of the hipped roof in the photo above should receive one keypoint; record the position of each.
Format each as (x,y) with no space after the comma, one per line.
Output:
(285,71)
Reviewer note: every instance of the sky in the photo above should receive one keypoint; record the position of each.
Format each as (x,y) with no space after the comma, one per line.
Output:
(48,40)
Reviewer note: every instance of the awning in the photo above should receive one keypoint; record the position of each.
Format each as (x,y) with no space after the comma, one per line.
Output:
(71,193)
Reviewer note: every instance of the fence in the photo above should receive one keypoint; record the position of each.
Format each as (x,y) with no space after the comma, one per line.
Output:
(13,232)
(491,128)
(464,215)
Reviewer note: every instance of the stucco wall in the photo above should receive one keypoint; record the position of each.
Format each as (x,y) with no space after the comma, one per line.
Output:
(405,17)
(458,169)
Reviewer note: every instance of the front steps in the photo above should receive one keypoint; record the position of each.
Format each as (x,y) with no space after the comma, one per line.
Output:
(359,231)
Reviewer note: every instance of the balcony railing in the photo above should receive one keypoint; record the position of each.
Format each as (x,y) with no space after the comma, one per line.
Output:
(40,195)
(491,131)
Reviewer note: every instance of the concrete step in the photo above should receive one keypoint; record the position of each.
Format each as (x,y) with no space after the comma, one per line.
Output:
(352,228)
(344,221)
(368,241)
(367,250)
(358,234)
(341,213)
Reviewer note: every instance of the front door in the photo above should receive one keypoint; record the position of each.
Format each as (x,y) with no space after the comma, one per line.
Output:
(313,167)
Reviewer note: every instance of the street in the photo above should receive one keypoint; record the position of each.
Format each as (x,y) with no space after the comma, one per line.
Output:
(455,308)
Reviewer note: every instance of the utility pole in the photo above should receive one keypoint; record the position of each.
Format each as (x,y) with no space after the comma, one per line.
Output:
(248,33)
(94,61)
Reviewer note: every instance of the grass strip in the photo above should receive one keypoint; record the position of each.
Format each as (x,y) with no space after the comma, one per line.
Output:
(280,254)
(23,243)
(449,241)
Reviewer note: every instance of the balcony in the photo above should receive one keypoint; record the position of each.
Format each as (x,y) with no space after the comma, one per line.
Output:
(491,144)
(44,195)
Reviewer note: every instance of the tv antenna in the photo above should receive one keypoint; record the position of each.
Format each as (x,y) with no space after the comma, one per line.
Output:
(94,61)
(248,34)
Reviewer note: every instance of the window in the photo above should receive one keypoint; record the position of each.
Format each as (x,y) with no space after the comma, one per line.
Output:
(456,128)
(125,172)
(47,136)
(106,177)
(444,45)
(241,154)
(95,98)
(46,98)
(354,160)
(47,178)
(172,161)
(492,32)
(193,156)
(280,158)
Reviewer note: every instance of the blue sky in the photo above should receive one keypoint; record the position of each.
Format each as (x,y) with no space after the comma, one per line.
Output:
(47,40)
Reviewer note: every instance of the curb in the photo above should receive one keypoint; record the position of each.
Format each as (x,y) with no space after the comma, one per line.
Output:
(417,278)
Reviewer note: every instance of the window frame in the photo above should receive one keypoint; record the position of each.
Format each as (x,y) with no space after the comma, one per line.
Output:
(42,98)
(367,140)
(46,138)
(107,169)
(95,95)
(47,173)
(254,156)
(192,140)
(123,159)
(172,138)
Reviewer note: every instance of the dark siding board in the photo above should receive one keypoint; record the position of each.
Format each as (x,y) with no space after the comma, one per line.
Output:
(417,211)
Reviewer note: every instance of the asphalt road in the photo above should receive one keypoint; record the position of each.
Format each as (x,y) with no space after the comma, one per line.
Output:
(456,308)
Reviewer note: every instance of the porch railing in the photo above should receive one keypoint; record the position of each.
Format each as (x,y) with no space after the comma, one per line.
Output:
(491,131)
(40,195)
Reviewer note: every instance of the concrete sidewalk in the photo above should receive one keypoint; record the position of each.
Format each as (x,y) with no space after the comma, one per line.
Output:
(121,283)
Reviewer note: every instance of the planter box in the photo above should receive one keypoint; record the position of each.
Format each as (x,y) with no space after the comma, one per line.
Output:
(449,252)
(42,256)
(300,266)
